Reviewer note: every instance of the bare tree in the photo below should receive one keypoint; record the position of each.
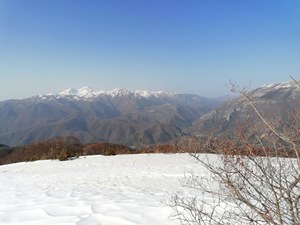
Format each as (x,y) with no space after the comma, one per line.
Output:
(253,179)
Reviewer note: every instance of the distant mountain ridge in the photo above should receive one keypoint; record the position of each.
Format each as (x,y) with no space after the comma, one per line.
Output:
(118,116)
(128,117)
(88,92)
(276,102)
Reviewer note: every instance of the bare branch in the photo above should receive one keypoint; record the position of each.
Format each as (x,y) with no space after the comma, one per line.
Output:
(246,182)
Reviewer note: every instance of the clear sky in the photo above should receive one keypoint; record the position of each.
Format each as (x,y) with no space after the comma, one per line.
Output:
(190,46)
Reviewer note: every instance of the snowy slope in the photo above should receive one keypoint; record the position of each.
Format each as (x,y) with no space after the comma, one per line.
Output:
(116,190)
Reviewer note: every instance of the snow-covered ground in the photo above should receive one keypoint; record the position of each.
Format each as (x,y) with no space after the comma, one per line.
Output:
(106,190)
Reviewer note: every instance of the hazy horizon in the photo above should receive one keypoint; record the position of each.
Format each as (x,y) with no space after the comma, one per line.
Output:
(249,86)
(109,90)
(187,47)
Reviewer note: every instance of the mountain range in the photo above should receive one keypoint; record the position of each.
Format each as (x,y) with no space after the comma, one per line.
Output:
(118,116)
(137,118)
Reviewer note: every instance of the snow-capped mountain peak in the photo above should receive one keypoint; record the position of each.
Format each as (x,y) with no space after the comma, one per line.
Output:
(84,92)
(88,92)
(288,88)
(69,91)
(119,92)
(287,84)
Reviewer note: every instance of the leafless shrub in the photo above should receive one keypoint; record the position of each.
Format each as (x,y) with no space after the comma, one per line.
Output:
(105,149)
(253,178)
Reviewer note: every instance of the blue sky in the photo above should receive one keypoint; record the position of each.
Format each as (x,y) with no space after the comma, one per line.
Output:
(184,46)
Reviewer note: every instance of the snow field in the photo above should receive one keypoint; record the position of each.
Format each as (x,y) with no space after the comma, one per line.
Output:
(104,190)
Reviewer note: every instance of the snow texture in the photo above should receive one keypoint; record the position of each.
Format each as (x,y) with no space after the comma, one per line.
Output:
(106,190)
